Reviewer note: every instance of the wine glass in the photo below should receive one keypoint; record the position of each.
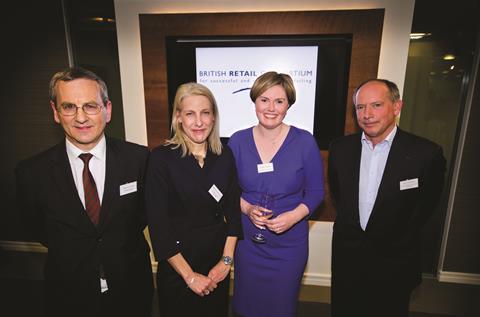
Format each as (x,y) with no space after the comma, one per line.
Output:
(265,205)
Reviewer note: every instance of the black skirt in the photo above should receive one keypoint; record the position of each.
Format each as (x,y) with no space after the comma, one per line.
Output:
(202,249)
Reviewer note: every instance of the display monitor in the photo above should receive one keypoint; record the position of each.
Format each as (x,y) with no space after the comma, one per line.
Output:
(228,66)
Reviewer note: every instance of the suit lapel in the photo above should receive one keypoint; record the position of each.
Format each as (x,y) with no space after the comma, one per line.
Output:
(355,161)
(73,210)
(388,183)
(110,191)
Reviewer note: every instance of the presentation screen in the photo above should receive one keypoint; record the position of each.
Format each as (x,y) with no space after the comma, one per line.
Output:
(228,66)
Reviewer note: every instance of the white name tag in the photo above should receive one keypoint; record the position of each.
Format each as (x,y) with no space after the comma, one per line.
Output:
(103,285)
(128,188)
(265,168)
(215,192)
(409,184)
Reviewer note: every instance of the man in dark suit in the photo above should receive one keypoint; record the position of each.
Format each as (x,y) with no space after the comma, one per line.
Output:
(385,183)
(88,209)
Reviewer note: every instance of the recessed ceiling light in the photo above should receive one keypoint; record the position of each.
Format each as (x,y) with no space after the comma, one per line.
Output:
(448,57)
(420,35)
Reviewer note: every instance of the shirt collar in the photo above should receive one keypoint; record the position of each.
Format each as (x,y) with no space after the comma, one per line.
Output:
(99,151)
(388,140)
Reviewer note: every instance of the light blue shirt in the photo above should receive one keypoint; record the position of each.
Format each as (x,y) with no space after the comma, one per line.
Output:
(372,165)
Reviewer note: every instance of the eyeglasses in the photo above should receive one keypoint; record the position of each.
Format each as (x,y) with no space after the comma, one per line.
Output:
(70,109)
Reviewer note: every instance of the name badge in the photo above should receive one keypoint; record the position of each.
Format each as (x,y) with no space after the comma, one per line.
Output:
(215,192)
(265,168)
(128,188)
(409,184)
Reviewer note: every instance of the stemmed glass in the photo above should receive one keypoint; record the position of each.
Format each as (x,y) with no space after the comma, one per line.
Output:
(265,205)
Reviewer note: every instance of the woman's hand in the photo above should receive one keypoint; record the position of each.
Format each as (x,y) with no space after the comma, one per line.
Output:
(259,216)
(256,216)
(286,220)
(200,284)
(282,222)
(219,272)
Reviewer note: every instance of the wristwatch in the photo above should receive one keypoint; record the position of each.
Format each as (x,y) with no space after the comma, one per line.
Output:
(227,260)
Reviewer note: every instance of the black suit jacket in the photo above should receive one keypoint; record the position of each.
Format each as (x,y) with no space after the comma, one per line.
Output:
(77,250)
(185,218)
(390,247)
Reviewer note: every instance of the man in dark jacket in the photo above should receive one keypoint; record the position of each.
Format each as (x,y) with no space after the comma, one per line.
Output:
(83,200)
(385,184)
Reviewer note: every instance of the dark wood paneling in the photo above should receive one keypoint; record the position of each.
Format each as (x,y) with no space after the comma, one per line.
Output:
(94,47)
(34,48)
(364,25)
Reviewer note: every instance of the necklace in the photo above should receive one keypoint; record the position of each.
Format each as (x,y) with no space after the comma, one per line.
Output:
(200,154)
(273,140)
(200,159)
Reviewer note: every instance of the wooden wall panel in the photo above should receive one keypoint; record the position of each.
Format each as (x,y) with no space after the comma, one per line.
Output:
(364,25)
(34,48)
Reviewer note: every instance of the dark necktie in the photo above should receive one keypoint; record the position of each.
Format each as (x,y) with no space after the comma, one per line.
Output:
(92,202)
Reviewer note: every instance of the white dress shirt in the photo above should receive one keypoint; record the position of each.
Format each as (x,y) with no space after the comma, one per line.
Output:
(96,165)
(372,165)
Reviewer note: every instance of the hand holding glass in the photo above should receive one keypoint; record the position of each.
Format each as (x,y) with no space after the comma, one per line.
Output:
(265,206)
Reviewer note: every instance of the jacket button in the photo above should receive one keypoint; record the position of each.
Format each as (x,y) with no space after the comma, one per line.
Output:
(99,239)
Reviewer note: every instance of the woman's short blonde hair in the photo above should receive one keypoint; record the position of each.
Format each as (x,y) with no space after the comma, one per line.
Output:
(270,79)
(178,134)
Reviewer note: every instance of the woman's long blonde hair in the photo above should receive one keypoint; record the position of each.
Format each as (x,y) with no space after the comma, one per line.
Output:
(179,139)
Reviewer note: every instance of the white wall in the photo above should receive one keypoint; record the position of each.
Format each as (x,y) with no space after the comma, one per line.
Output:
(392,65)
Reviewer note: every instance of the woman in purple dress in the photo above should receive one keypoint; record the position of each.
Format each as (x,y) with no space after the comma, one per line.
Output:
(284,162)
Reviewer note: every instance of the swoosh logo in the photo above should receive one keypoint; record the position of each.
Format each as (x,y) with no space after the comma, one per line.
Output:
(242,89)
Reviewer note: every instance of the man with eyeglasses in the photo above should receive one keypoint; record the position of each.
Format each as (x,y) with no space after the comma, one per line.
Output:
(83,199)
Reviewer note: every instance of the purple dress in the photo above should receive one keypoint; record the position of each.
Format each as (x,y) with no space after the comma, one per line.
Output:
(268,276)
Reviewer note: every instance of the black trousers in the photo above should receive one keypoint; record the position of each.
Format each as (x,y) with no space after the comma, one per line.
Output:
(369,298)
(131,307)
(105,305)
